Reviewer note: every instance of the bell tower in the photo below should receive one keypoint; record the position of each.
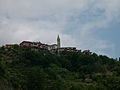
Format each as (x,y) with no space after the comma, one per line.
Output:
(58,42)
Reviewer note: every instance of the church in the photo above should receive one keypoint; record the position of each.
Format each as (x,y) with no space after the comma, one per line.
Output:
(64,48)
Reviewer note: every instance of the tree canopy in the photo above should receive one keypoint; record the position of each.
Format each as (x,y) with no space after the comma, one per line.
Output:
(22,68)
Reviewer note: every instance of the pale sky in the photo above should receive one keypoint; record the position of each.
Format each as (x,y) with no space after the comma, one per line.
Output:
(86,24)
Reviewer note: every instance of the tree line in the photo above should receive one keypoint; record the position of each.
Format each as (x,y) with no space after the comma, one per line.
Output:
(22,68)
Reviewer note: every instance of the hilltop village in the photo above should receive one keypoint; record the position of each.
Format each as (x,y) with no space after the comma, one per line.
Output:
(41,46)
(38,66)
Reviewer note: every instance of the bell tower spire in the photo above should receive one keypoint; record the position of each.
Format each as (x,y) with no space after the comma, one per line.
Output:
(58,42)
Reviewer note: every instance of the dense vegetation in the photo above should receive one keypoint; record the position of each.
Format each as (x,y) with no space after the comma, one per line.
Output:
(24,69)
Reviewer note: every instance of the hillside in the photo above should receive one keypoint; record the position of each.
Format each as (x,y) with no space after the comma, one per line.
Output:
(24,69)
